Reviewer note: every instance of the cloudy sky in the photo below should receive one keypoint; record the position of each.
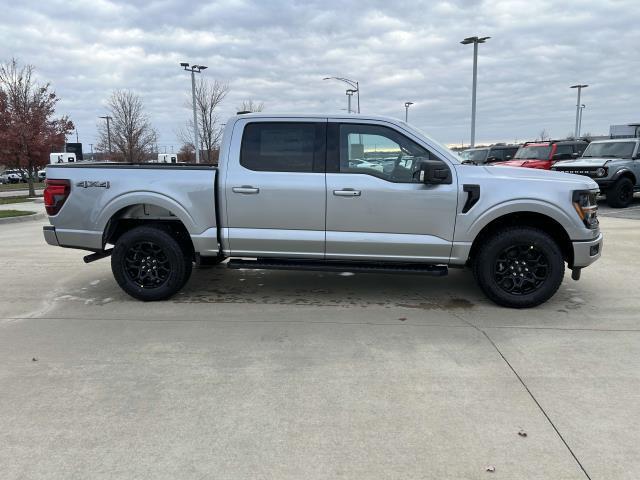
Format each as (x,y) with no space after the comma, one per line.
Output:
(277,52)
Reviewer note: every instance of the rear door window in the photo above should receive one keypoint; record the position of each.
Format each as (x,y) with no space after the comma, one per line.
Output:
(283,146)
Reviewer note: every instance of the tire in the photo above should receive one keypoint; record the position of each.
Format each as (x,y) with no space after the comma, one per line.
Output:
(532,255)
(620,194)
(150,264)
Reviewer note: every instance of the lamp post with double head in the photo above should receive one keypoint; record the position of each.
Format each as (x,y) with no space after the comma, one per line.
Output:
(475,41)
(194,69)
(355,86)
(576,134)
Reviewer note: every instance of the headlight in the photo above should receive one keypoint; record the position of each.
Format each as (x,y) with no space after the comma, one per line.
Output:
(584,201)
(601,172)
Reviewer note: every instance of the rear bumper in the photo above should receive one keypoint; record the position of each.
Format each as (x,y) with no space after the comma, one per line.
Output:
(49,232)
(81,239)
(587,252)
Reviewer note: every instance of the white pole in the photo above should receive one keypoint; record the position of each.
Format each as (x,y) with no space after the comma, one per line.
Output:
(577,131)
(195,116)
(473,94)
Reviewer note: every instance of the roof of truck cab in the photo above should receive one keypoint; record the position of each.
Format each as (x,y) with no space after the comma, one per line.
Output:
(617,140)
(346,116)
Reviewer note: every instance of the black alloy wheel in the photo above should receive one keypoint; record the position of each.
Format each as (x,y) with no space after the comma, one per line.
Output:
(151,263)
(521,269)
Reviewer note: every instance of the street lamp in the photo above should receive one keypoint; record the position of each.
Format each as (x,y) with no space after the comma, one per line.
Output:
(579,87)
(352,83)
(475,41)
(580,121)
(406,111)
(194,69)
(108,119)
(350,93)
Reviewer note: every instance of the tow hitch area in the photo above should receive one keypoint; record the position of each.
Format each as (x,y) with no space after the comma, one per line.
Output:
(98,255)
(575,273)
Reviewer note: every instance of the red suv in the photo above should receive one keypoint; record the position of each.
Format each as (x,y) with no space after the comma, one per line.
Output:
(543,155)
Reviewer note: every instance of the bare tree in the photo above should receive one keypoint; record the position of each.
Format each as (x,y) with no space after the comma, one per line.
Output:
(209,95)
(543,135)
(251,106)
(28,129)
(132,135)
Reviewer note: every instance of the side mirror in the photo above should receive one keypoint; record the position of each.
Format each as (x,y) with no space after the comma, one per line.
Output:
(492,159)
(434,172)
(508,157)
(575,155)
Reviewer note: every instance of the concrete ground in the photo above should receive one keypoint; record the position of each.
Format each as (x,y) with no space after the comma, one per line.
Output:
(289,375)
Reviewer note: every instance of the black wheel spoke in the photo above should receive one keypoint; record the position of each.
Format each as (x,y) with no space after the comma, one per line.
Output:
(521,269)
(147,265)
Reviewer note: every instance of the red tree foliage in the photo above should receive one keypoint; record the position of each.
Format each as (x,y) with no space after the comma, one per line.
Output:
(28,129)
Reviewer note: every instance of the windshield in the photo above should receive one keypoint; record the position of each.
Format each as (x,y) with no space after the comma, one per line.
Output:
(476,155)
(610,150)
(534,153)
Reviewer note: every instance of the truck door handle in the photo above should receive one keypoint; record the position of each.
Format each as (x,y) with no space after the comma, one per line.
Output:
(246,189)
(347,192)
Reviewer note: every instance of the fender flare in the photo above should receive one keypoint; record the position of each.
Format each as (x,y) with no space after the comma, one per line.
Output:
(144,197)
(624,171)
(522,206)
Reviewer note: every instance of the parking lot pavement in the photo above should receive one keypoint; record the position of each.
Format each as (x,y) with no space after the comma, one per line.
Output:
(267,374)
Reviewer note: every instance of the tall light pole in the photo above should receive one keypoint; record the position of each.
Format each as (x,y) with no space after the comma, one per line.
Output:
(579,87)
(108,119)
(580,121)
(406,111)
(350,93)
(352,83)
(475,41)
(194,69)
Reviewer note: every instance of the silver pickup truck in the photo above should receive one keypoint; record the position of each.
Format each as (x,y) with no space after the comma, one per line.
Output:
(318,192)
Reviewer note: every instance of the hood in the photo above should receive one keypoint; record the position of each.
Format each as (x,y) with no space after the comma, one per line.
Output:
(513,173)
(588,162)
(510,163)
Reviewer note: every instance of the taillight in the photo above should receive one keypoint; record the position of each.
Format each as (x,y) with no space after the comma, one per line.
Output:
(55,194)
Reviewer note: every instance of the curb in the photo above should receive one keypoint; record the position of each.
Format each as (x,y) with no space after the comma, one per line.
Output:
(22,218)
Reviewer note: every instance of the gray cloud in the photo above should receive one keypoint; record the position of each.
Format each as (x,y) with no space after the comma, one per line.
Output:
(279,51)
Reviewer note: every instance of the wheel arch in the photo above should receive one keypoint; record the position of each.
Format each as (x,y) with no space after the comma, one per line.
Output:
(537,220)
(153,213)
(624,173)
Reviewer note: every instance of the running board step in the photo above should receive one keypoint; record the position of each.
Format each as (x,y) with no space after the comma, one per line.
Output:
(338,266)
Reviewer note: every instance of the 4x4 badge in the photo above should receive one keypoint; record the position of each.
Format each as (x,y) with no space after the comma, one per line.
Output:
(92,184)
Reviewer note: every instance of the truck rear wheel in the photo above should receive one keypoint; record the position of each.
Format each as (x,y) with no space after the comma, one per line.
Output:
(519,267)
(620,194)
(150,264)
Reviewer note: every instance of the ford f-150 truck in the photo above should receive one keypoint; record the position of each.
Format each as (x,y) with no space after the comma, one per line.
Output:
(319,192)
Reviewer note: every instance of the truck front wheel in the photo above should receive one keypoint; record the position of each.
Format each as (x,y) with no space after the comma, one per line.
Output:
(620,194)
(150,264)
(519,267)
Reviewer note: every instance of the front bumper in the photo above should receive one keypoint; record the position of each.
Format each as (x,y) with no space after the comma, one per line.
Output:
(587,252)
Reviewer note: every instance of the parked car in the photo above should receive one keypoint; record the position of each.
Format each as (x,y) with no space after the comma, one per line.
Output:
(287,196)
(543,155)
(42,175)
(613,164)
(12,176)
(494,153)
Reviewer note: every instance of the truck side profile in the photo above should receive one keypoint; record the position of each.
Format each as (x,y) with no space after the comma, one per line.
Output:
(320,192)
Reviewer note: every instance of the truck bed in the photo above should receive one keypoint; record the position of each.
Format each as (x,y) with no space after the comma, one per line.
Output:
(103,193)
